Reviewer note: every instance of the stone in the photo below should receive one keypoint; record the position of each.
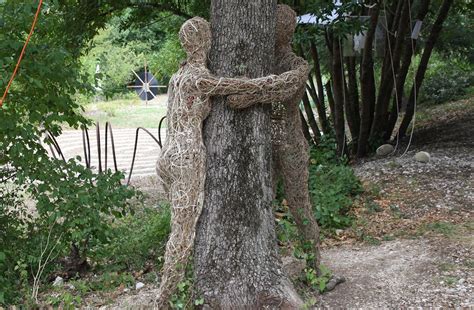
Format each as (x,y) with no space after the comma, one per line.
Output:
(385,150)
(58,281)
(423,157)
(139,285)
(333,282)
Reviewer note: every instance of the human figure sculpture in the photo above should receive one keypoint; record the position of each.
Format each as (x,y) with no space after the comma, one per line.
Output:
(290,147)
(181,167)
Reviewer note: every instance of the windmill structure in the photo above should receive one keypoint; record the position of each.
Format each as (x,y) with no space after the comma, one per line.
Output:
(146,85)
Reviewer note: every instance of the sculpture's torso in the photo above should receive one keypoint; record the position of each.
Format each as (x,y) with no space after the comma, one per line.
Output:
(187,108)
(286,121)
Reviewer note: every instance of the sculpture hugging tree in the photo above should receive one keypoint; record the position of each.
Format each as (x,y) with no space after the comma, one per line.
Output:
(182,163)
(290,147)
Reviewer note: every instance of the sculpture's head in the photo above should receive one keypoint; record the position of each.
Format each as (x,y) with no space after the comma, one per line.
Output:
(195,37)
(285,25)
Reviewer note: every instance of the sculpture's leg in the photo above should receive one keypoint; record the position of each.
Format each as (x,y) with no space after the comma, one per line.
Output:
(294,160)
(186,195)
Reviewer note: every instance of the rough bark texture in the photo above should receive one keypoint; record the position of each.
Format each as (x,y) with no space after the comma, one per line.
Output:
(351,106)
(330,100)
(410,47)
(305,128)
(236,260)
(390,71)
(311,118)
(420,74)
(319,81)
(339,97)
(367,82)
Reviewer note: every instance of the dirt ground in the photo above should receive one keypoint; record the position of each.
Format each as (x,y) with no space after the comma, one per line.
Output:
(412,243)
(426,210)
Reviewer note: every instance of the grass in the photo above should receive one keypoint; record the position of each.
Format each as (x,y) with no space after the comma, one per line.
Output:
(128,113)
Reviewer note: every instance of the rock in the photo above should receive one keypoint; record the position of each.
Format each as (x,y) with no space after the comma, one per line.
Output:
(333,282)
(58,281)
(384,150)
(139,285)
(423,157)
(339,232)
(293,266)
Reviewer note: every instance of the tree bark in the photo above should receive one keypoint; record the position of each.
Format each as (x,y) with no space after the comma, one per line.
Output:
(339,97)
(420,74)
(311,119)
(319,81)
(305,128)
(330,101)
(352,102)
(410,47)
(237,265)
(367,82)
(390,71)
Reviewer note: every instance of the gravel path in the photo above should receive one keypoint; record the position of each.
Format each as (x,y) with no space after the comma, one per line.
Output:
(402,273)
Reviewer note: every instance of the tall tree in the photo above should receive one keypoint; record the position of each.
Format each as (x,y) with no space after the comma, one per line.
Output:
(367,82)
(236,258)
(423,66)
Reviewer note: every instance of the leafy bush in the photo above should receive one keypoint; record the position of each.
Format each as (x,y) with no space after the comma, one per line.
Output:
(447,79)
(136,239)
(47,206)
(332,185)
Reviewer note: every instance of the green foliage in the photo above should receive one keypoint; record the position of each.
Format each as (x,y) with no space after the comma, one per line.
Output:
(46,205)
(317,282)
(166,61)
(125,44)
(65,300)
(184,298)
(332,185)
(447,79)
(457,36)
(135,240)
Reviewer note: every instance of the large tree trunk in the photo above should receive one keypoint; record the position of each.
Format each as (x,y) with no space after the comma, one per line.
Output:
(237,265)
(420,74)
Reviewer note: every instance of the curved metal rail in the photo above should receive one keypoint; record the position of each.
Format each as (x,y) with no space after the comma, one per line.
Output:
(56,149)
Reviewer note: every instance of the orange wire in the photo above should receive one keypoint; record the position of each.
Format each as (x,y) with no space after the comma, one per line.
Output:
(22,53)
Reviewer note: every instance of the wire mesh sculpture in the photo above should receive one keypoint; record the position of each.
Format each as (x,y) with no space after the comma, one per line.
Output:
(182,163)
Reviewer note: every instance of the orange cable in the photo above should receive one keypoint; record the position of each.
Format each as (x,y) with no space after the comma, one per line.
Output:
(22,53)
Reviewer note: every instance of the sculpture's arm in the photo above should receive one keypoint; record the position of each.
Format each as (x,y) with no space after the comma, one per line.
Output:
(270,87)
(290,85)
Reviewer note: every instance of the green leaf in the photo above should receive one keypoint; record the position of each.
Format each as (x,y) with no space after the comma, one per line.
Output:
(199,302)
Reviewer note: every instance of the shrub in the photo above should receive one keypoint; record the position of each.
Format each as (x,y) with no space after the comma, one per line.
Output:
(446,79)
(136,239)
(332,185)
